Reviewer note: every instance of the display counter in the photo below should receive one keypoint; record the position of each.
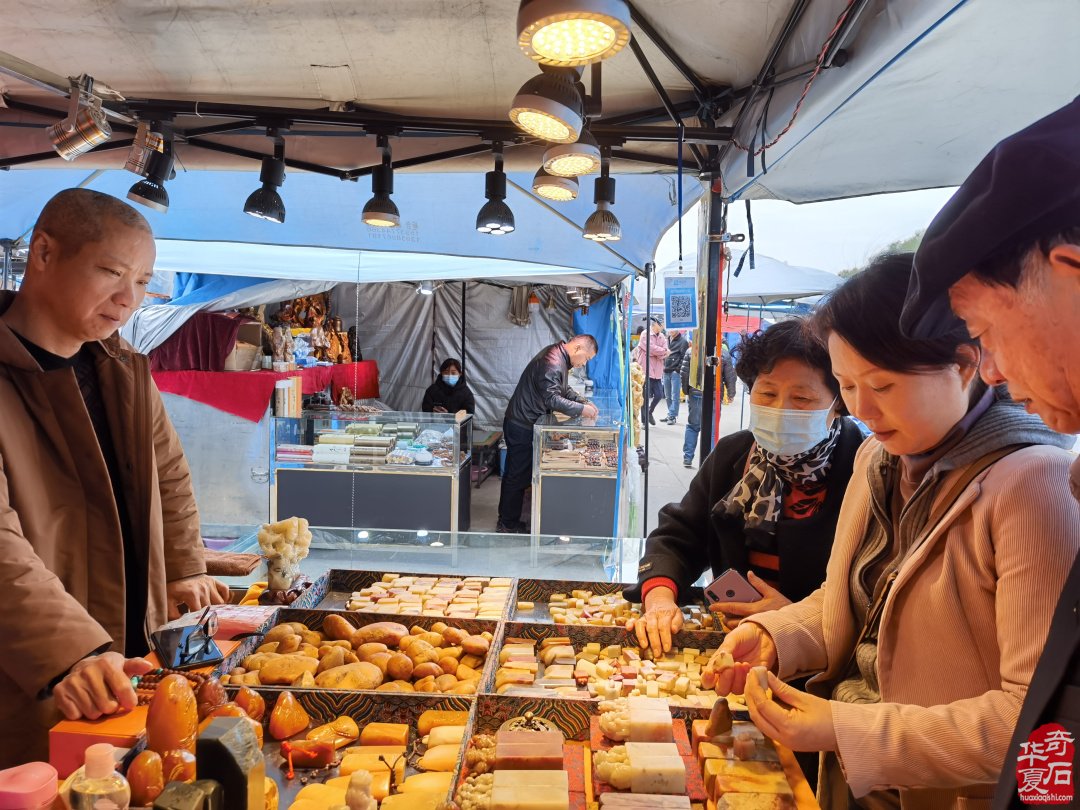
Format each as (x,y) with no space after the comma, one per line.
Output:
(399,470)
(576,472)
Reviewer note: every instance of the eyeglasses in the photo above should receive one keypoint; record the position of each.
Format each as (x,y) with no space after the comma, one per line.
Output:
(199,638)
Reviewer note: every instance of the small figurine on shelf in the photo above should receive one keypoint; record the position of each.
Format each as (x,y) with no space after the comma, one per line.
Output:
(345,399)
(277,343)
(284,544)
(320,343)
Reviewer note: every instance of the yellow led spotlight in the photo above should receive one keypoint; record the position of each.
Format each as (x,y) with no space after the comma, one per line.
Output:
(571,33)
(549,107)
(553,187)
(602,225)
(380,210)
(573,159)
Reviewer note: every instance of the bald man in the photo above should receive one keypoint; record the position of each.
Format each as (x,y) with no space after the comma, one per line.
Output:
(99,533)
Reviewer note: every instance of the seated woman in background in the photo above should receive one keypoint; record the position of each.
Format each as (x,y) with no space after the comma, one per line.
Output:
(955,537)
(449,393)
(766,500)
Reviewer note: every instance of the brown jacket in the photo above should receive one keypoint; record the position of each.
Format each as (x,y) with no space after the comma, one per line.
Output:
(62,571)
(960,634)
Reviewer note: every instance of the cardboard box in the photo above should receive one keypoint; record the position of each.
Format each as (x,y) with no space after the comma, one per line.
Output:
(247,350)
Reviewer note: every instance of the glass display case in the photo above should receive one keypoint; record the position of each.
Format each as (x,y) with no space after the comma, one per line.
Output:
(400,470)
(576,472)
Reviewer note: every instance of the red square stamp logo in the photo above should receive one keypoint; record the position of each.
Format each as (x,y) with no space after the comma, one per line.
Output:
(1044,767)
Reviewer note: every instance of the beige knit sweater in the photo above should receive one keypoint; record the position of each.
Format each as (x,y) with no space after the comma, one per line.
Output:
(960,634)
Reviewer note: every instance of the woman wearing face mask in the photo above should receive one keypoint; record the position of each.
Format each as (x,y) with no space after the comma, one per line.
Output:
(954,540)
(449,393)
(766,500)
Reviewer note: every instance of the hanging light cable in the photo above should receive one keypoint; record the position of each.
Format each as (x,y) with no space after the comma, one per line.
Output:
(380,210)
(602,225)
(495,217)
(266,202)
(572,32)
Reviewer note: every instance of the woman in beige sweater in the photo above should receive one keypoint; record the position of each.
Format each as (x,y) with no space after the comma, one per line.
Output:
(953,543)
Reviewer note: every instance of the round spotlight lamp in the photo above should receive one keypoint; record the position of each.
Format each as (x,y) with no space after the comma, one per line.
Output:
(571,33)
(549,107)
(602,225)
(381,212)
(553,187)
(495,218)
(573,159)
(265,202)
(150,193)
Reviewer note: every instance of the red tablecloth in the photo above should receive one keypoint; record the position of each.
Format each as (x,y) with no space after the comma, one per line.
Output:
(247,393)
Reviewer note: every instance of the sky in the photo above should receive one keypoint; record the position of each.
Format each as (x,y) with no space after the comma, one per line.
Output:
(829,236)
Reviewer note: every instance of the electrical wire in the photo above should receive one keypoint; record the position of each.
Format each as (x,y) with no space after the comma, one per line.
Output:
(818,67)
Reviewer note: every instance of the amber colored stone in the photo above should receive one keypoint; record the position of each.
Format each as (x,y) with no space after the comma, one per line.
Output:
(146,778)
(172,719)
(288,717)
(251,702)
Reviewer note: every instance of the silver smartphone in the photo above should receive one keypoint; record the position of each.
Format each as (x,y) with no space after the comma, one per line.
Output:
(731,586)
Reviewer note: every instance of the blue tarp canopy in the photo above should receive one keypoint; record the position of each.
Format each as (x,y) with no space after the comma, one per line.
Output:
(323,239)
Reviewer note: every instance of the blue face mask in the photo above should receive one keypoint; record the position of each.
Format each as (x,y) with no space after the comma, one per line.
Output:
(451,379)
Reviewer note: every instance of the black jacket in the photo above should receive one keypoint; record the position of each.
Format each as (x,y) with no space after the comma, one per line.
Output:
(544,387)
(678,347)
(454,398)
(684,374)
(692,536)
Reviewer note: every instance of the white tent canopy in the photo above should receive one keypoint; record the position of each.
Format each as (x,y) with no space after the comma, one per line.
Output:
(769,280)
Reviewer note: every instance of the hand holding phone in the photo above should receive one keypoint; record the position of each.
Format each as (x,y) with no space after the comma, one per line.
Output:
(731,586)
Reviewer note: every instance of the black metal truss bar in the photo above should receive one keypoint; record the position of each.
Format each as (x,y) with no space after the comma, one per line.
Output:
(420,160)
(641,157)
(214,129)
(37,157)
(403,125)
(665,99)
(652,114)
(303,165)
(15,104)
(639,19)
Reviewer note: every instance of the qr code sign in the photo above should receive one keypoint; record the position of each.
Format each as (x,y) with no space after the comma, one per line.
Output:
(682,307)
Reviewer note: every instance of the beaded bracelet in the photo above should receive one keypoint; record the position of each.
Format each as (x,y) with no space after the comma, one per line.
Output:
(146,685)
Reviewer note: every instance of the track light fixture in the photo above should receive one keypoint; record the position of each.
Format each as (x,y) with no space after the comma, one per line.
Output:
(266,202)
(572,32)
(85,126)
(573,159)
(550,106)
(602,225)
(156,168)
(553,187)
(380,210)
(495,217)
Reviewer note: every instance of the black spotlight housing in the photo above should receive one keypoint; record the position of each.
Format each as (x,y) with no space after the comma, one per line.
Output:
(380,210)
(265,202)
(495,217)
(150,191)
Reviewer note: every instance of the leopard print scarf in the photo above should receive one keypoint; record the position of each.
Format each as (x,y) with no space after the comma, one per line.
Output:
(757,496)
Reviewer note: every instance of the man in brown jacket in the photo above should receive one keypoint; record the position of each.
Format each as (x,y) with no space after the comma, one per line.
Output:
(1005,250)
(98,526)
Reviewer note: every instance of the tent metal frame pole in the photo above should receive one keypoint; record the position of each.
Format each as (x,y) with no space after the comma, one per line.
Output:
(665,99)
(649,268)
(713,298)
(699,87)
(9,246)
(463,358)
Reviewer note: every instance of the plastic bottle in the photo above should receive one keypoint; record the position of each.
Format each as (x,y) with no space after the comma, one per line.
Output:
(100,787)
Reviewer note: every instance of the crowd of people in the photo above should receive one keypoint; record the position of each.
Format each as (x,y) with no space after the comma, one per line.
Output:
(920,589)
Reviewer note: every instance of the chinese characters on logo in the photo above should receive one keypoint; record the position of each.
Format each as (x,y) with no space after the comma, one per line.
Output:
(1044,767)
